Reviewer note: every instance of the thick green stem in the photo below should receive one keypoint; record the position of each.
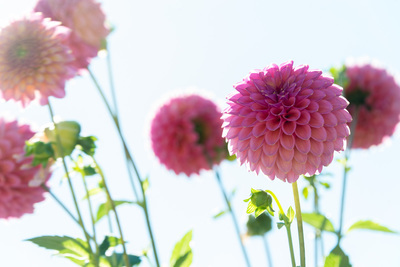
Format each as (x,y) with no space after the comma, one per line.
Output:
(267,250)
(60,148)
(299,224)
(235,222)
(289,235)
(126,257)
(132,165)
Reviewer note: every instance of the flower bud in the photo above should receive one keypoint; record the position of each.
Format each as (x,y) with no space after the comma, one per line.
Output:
(260,225)
(68,132)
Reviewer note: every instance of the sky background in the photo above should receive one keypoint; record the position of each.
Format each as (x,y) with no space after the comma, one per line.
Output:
(163,47)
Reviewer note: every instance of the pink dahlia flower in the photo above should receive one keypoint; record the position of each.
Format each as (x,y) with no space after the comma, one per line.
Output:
(375,94)
(186,134)
(19,186)
(34,60)
(286,121)
(85,18)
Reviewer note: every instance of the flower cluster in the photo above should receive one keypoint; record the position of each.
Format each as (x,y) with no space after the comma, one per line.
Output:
(19,181)
(286,121)
(186,134)
(374,98)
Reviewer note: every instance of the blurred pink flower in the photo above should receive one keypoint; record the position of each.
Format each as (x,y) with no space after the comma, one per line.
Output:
(85,18)
(377,96)
(186,134)
(34,60)
(286,121)
(19,182)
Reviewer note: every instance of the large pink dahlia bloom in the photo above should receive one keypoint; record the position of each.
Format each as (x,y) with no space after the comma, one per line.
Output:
(85,18)
(186,134)
(19,186)
(286,121)
(34,60)
(374,93)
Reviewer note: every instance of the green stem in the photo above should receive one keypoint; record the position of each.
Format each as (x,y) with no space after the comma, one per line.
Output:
(60,203)
(126,257)
(299,224)
(289,235)
(132,164)
(276,200)
(60,148)
(345,171)
(235,222)
(267,250)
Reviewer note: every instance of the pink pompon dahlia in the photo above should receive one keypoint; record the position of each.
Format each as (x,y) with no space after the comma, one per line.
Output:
(86,20)
(186,134)
(375,95)
(19,186)
(34,60)
(286,121)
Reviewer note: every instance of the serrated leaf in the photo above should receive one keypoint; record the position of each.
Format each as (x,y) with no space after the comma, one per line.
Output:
(337,258)
(106,207)
(182,254)
(74,249)
(290,214)
(318,221)
(370,225)
(219,214)
(305,192)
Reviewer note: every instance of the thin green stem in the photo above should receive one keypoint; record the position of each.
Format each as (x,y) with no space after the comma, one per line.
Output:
(112,86)
(289,235)
(100,172)
(276,200)
(299,224)
(267,250)
(235,222)
(132,165)
(60,148)
(346,170)
(60,203)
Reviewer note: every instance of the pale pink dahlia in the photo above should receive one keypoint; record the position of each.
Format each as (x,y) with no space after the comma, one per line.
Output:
(186,134)
(374,93)
(34,60)
(286,121)
(19,189)
(85,18)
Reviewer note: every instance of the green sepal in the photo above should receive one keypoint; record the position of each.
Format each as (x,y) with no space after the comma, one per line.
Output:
(280,224)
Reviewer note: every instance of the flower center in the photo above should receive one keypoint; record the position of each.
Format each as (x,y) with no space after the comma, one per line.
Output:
(201,129)
(23,54)
(357,97)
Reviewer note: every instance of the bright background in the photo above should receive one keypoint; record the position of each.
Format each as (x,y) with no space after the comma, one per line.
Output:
(162,46)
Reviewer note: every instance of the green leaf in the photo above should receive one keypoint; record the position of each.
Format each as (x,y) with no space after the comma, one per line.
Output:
(87,144)
(109,242)
(219,214)
(74,249)
(106,207)
(339,75)
(280,224)
(305,192)
(290,214)
(145,184)
(182,254)
(119,258)
(326,185)
(370,225)
(41,152)
(92,192)
(337,258)
(318,221)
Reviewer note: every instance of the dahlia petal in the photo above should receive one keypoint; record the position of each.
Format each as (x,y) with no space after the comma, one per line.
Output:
(236,122)
(268,161)
(287,141)
(338,144)
(318,134)
(313,107)
(256,142)
(298,167)
(331,134)
(300,157)
(270,149)
(254,156)
(273,124)
(317,148)
(303,132)
(303,146)
(284,166)
(259,129)
(288,127)
(292,177)
(318,94)
(330,120)
(342,130)
(249,121)
(339,103)
(316,120)
(286,154)
(342,115)
(243,145)
(303,103)
(245,133)
(232,132)
(293,115)
(325,107)
(304,118)
(271,137)
(315,161)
